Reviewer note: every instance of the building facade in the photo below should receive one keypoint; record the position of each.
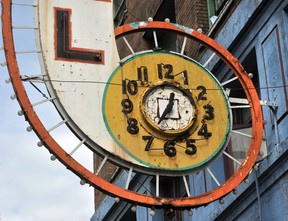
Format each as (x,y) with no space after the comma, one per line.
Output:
(256,33)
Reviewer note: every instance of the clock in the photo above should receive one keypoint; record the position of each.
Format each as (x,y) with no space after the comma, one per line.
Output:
(166,111)
(155,112)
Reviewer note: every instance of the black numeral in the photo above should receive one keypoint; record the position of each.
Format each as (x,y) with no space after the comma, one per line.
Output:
(204,131)
(202,93)
(149,143)
(191,149)
(209,110)
(132,127)
(131,86)
(169,149)
(168,68)
(142,73)
(127,106)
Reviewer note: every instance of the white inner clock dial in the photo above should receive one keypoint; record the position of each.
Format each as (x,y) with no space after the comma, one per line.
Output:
(167,111)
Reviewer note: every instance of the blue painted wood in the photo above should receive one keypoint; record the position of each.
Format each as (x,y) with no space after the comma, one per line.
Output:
(272,60)
(245,207)
(197,183)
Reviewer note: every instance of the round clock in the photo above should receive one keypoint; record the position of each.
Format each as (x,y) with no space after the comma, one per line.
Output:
(155,112)
(166,111)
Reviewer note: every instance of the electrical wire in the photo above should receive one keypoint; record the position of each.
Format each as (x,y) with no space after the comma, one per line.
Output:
(120,84)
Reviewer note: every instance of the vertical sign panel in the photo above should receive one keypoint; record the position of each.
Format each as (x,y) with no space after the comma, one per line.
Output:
(79,49)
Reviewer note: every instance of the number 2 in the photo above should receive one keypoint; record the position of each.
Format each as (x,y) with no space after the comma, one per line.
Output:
(202,93)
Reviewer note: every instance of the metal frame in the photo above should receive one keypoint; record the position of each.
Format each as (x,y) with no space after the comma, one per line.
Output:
(125,193)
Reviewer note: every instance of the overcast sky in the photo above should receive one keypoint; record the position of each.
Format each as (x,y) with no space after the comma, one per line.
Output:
(32,187)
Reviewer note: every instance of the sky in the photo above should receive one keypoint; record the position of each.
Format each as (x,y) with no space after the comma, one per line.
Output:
(32,187)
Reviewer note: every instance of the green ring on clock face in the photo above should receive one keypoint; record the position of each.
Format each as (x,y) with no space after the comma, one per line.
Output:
(166,112)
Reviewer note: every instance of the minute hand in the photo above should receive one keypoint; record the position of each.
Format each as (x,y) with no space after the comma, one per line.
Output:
(168,107)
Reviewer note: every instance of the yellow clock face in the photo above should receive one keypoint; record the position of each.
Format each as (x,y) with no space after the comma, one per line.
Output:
(166,111)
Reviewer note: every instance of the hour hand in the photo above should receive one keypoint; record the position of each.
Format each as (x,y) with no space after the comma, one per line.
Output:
(168,107)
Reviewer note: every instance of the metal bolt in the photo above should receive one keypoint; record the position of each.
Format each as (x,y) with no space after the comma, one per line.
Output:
(20,113)
(53,157)
(13,96)
(3,64)
(150,19)
(261,153)
(133,209)
(250,75)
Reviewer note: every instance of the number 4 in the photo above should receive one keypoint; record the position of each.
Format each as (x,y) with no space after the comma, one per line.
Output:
(204,131)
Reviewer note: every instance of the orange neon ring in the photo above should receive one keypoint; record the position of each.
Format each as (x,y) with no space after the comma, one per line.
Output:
(100,183)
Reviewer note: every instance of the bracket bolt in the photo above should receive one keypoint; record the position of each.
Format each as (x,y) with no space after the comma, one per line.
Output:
(250,75)
(53,157)
(150,19)
(29,128)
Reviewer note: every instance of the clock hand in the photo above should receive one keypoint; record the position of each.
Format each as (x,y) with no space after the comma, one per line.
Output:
(168,107)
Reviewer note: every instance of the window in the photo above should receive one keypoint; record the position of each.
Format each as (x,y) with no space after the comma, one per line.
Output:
(242,118)
(166,40)
(120,12)
(214,9)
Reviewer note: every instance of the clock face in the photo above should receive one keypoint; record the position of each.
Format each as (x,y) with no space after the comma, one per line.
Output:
(166,111)
(162,114)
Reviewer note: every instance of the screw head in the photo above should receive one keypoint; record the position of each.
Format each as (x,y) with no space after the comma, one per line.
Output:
(53,157)
(150,19)
(133,209)
(250,75)
(152,212)
(3,64)
(29,128)
(13,96)
(20,113)
(221,201)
